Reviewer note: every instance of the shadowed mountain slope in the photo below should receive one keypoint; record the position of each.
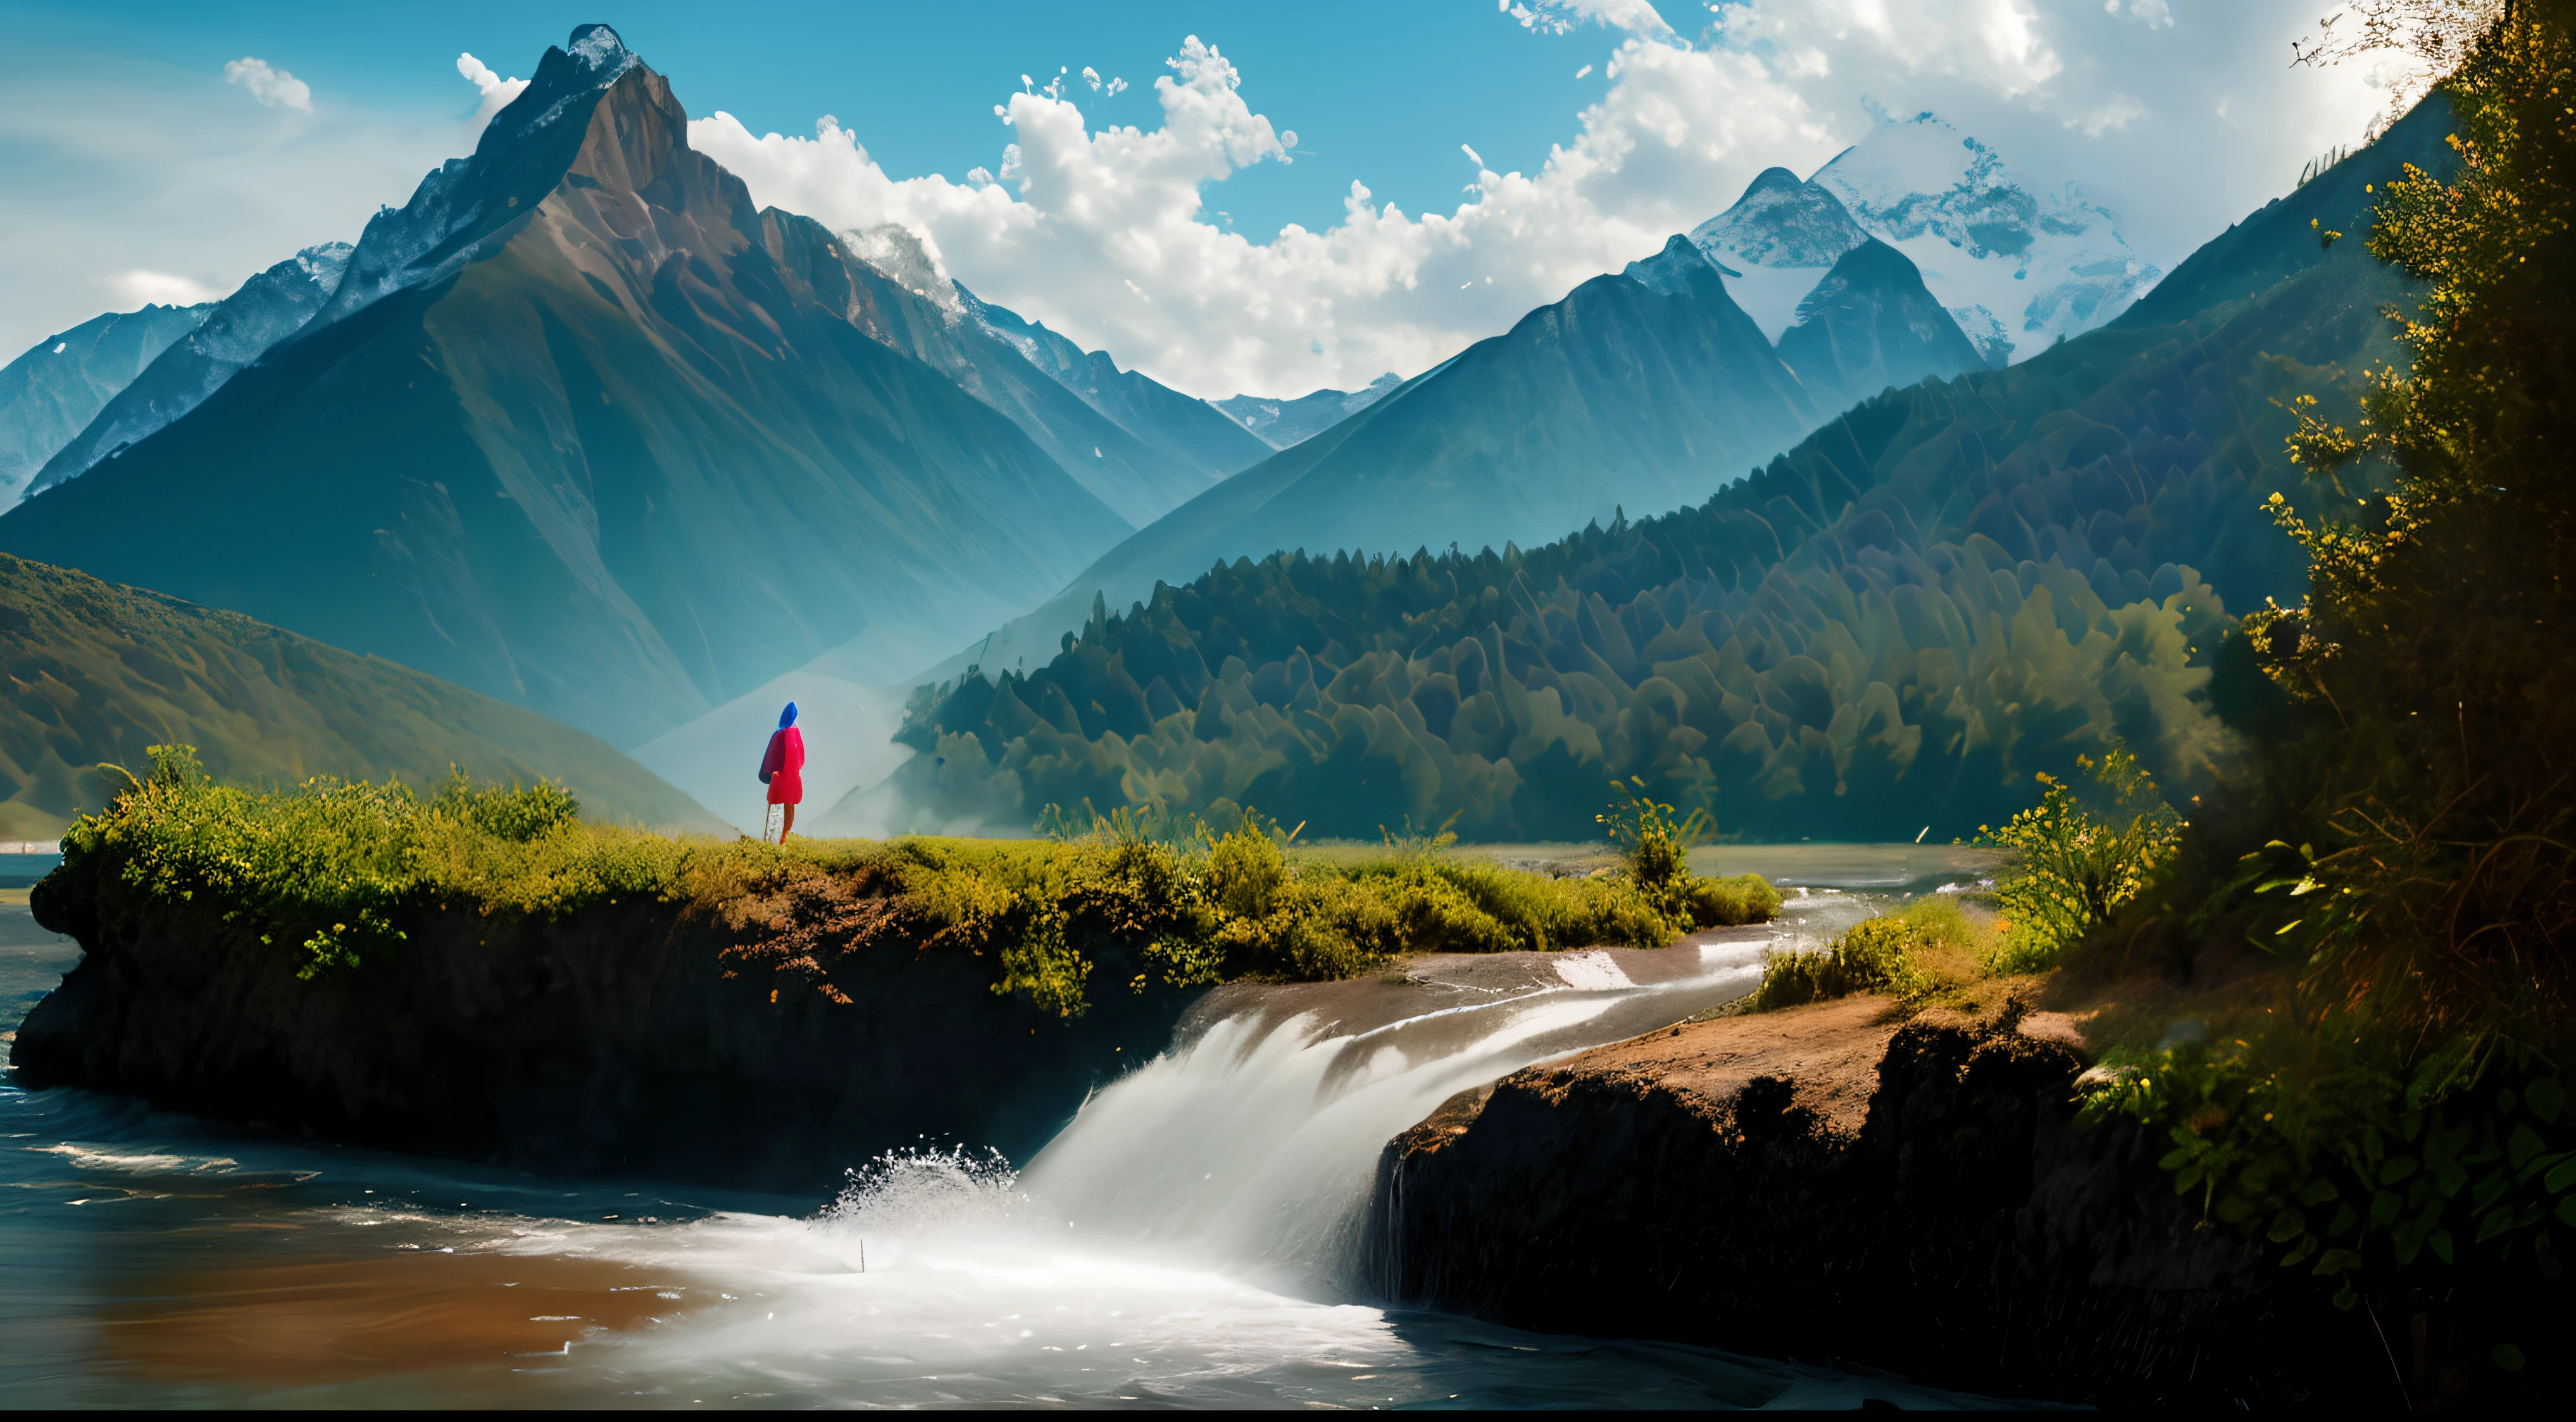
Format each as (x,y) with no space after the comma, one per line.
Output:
(49,394)
(97,672)
(2276,241)
(1188,432)
(1887,631)
(267,309)
(1133,444)
(582,430)
(1644,390)
(1869,324)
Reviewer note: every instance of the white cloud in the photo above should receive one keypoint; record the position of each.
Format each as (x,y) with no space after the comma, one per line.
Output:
(138,288)
(1557,17)
(496,91)
(274,88)
(1082,225)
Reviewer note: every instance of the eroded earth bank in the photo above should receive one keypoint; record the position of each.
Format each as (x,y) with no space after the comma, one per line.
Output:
(1836,1184)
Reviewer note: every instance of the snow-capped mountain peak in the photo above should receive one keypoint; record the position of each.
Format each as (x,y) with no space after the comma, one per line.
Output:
(1780,222)
(465,204)
(1775,244)
(894,250)
(2018,262)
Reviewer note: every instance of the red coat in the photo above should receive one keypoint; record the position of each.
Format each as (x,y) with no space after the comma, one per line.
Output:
(782,769)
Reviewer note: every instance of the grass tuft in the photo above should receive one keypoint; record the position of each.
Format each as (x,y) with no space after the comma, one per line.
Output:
(1929,946)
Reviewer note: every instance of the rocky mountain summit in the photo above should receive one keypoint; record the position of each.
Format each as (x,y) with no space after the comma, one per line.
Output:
(2020,264)
(2017,264)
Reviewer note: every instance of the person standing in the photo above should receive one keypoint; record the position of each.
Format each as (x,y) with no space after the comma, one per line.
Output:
(782,769)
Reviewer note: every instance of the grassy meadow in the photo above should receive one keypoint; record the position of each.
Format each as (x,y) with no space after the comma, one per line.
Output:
(330,873)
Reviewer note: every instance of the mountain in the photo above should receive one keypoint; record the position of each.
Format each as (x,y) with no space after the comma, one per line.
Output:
(1282,423)
(266,309)
(2276,241)
(1643,390)
(1871,323)
(1776,243)
(581,429)
(1140,450)
(2018,264)
(64,380)
(1647,388)
(1886,632)
(97,672)
(1188,431)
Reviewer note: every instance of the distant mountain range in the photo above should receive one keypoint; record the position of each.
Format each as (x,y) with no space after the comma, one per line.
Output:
(99,672)
(1282,423)
(50,394)
(2016,267)
(581,428)
(1882,634)
(268,309)
(1644,390)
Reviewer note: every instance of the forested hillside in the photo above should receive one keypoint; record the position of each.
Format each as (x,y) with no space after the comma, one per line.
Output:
(95,673)
(1948,589)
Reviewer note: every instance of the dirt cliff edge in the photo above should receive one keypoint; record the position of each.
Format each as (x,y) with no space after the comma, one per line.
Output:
(745,1044)
(1828,1184)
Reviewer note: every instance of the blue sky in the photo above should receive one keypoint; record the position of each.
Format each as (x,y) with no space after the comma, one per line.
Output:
(917,81)
(136,169)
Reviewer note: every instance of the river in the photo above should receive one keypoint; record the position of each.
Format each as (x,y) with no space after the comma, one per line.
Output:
(1187,1240)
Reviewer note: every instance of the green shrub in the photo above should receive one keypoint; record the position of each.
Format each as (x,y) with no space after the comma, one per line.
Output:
(1874,955)
(2355,1173)
(2077,856)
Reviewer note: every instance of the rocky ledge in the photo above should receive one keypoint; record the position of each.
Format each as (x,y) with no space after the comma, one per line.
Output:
(748,1043)
(1832,1184)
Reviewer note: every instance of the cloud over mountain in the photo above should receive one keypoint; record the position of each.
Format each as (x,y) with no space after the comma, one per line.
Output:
(1110,236)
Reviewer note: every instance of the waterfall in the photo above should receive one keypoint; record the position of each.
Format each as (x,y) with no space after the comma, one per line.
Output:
(1251,1146)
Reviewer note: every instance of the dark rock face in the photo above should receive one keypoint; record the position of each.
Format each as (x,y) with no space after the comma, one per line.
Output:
(753,1050)
(1870,324)
(1971,1234)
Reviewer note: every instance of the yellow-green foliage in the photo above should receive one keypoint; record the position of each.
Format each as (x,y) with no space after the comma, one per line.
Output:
(329,872)
(1930,944)
(1872,956)
(2432,671)
(324,869)
(2078,854)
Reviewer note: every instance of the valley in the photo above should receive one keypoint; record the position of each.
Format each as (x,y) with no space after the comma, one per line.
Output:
(1779,759)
